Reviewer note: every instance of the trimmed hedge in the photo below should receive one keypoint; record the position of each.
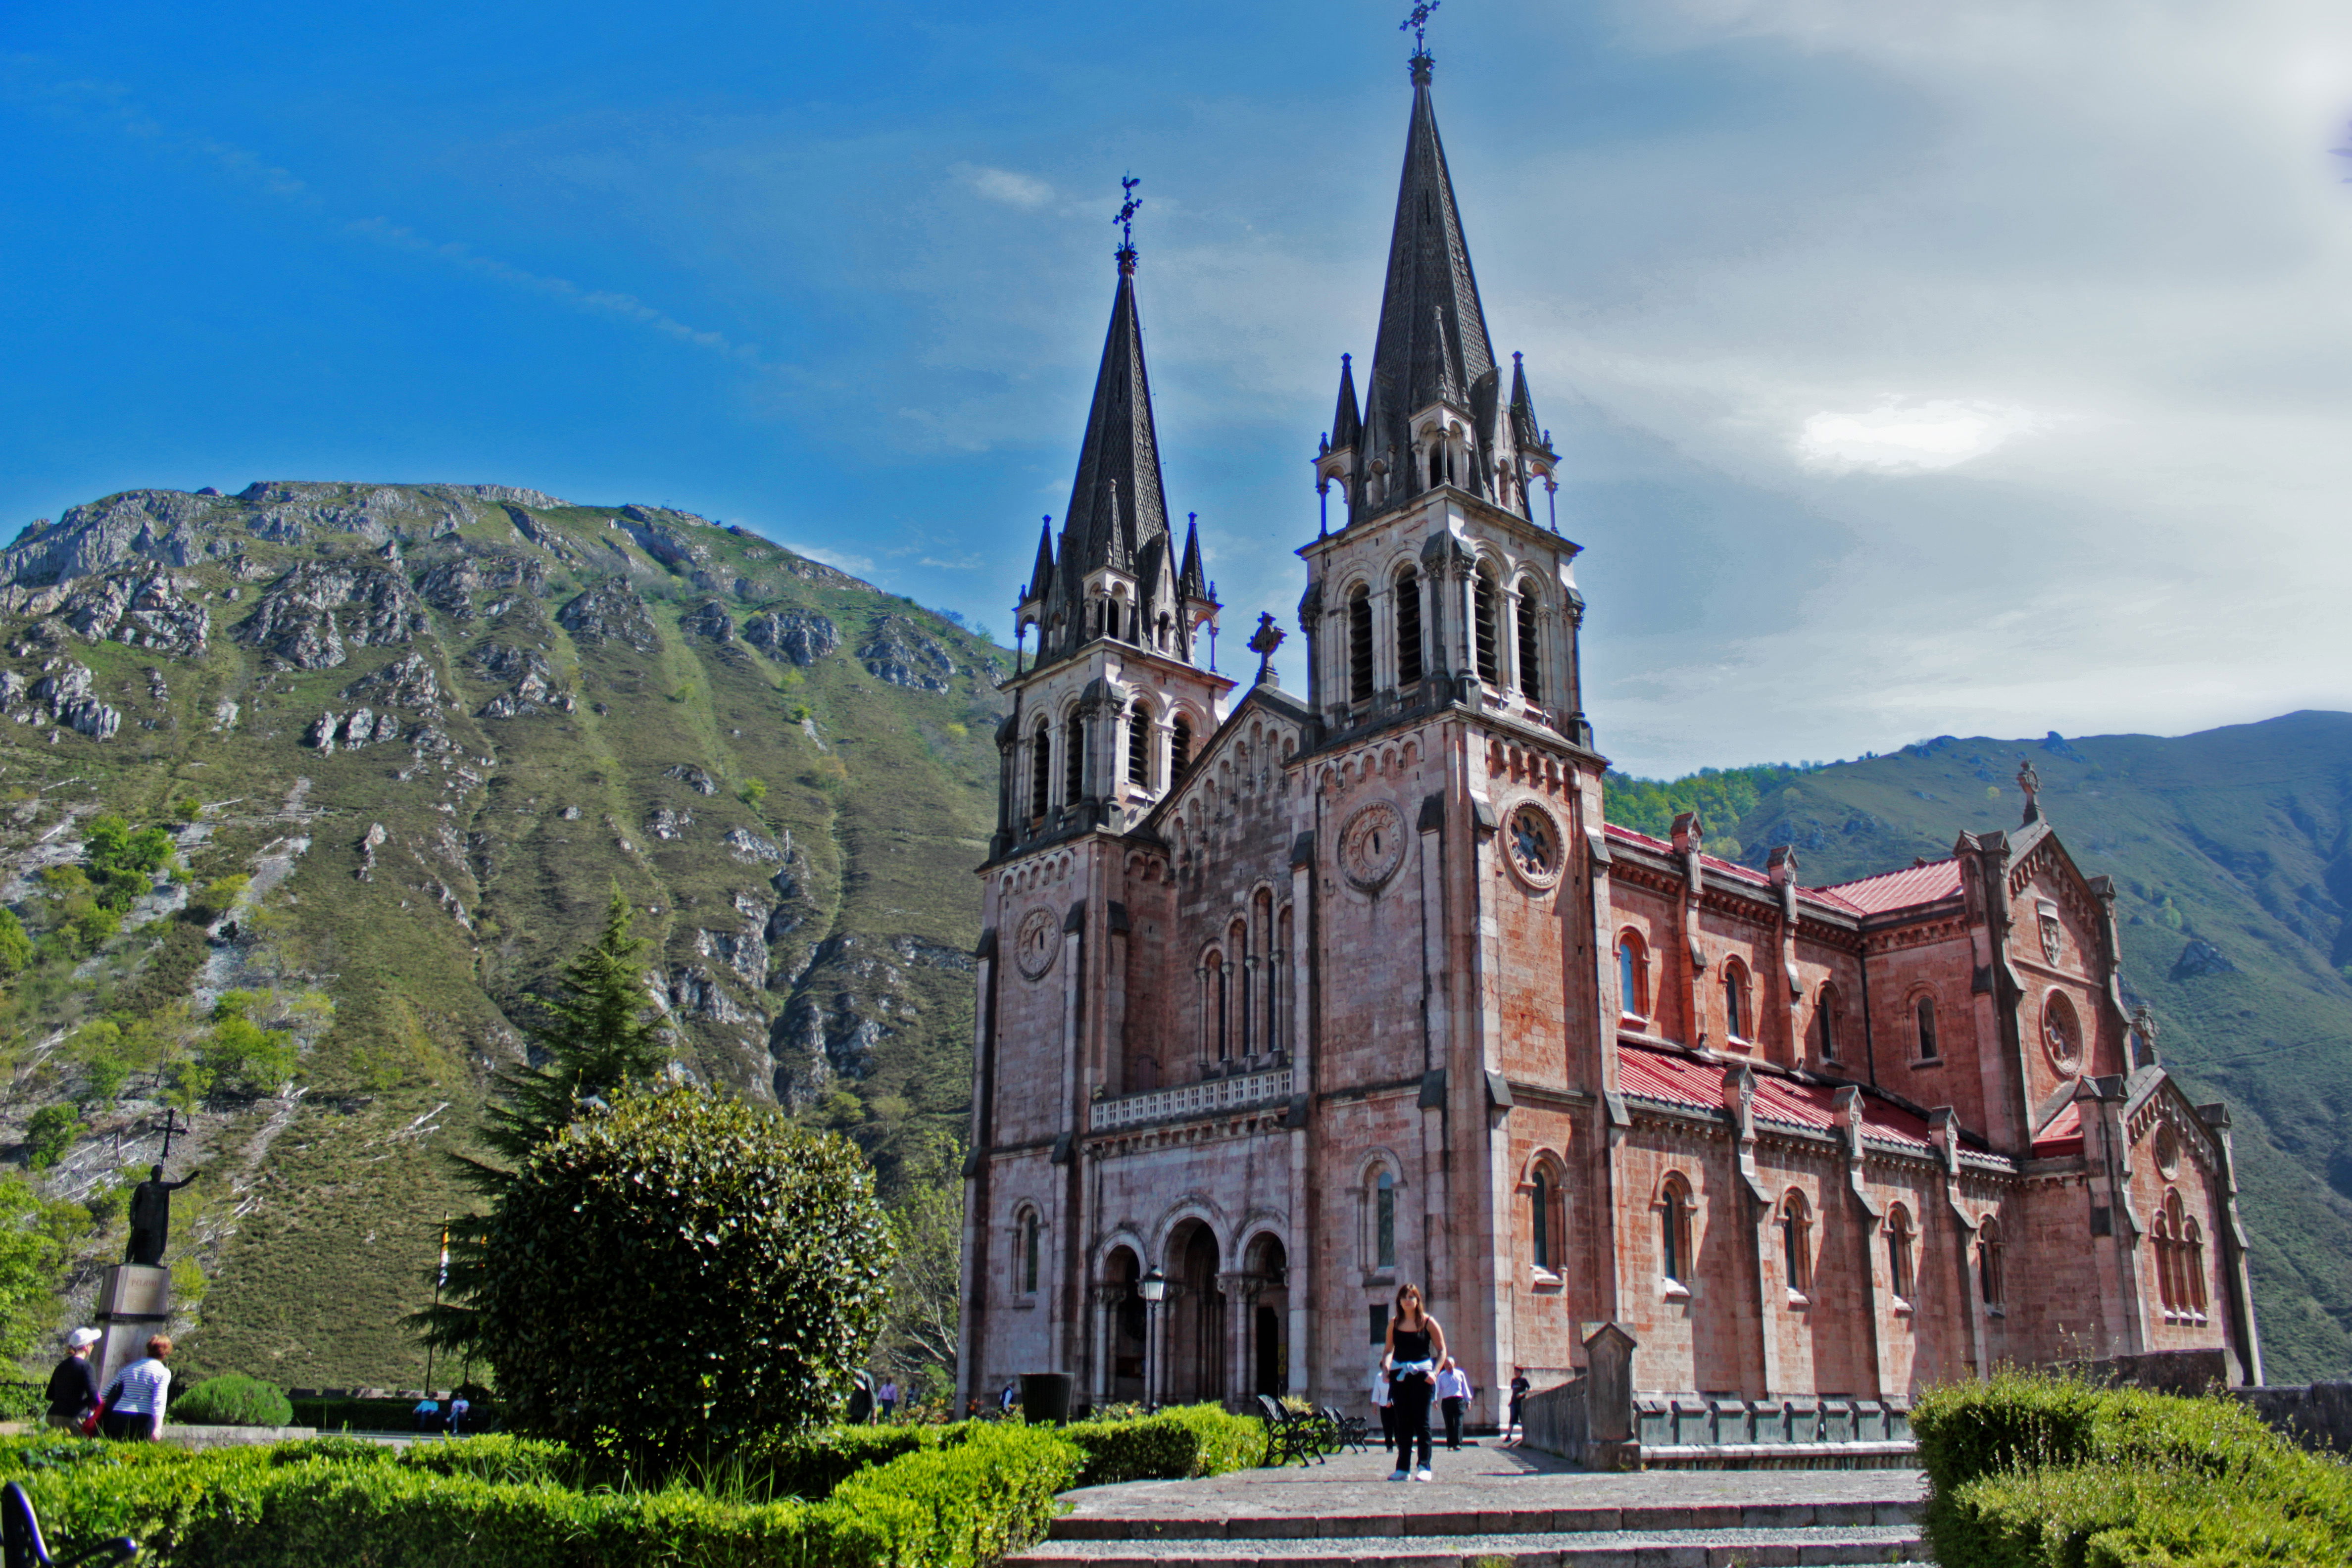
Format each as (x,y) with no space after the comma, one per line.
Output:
(1191,1440)
(812,1464)
(501,1503)
(234,1399)
(2034,1471)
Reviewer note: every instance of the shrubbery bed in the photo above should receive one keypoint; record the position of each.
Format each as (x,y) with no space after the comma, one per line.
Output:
(866,1496)
(2032,1471)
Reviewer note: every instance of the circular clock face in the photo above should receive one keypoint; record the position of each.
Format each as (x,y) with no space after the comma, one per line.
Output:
(1531,840)
(1036,942)
(1372,845)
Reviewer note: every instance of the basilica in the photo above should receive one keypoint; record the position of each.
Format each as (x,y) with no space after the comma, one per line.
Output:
(1284,998)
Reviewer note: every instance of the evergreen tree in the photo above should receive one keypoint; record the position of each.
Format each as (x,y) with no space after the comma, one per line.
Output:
(595,1037)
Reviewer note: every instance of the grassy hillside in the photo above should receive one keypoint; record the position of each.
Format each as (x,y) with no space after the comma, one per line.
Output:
(432,725)
(2233,852)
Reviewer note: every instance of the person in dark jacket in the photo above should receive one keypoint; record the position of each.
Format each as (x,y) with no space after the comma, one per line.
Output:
(73,1388)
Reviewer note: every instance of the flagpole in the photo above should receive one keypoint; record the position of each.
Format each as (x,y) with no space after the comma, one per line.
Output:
(440,1278)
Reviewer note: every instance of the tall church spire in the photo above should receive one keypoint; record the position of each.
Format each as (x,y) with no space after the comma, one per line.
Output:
(1433,345)
(1116,505)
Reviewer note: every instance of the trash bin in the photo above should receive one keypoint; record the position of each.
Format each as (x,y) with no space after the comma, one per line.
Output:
(1046,1395)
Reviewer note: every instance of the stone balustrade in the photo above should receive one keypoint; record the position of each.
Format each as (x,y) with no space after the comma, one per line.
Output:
(1209,1097)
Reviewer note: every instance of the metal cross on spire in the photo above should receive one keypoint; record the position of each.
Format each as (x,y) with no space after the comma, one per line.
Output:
(1125,221)
(1417,24)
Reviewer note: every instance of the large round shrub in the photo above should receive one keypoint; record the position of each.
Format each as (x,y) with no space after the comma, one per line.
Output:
(233,1399)
(678,1271)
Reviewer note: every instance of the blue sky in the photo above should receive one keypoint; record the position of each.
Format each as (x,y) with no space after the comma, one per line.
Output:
(1918,368)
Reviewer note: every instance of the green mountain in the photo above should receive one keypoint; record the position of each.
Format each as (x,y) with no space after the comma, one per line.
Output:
(2233,849)
(407,737)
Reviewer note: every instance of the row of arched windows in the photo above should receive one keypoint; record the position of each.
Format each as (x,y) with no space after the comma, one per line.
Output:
(1245,985)
(1141,758)
(1795,1218)
(1490,636)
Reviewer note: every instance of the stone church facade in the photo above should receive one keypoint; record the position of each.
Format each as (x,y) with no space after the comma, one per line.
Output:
(1295,998)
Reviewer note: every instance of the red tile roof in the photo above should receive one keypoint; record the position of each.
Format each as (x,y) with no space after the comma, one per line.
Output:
(1912,886)
(1907,889)
(1682,1081)
(2063,1136)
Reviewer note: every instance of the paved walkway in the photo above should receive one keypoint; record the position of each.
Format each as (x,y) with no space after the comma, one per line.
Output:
(1484,1490)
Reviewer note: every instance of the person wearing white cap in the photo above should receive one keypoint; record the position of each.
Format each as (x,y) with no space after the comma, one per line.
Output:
(73,1388)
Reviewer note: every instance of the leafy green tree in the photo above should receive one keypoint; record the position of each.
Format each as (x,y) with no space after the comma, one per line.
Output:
(752,793)
(674,1273)
(927,1230)
(49,1133)
(15,947)
(31,1260)
(240,1054)
(123,863)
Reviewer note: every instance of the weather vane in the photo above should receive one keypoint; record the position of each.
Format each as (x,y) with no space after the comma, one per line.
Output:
(1126,218)
(1418,24)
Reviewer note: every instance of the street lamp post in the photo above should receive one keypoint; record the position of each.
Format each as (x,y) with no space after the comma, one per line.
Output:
(1153,1289)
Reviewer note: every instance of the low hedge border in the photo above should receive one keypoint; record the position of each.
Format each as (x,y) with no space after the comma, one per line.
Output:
(501,1503)
(2029,1470)
(1171,1445)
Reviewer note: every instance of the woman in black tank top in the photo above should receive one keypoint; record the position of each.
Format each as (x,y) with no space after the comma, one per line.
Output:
(1416,1348)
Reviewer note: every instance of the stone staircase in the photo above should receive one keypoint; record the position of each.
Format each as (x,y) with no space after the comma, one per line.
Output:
(1576,1521)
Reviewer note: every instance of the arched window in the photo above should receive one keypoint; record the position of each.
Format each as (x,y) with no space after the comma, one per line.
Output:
(1531,647)
(1041,769)
(1221,1004)
(1632,973)
(1179,747)
(1360,645)
(1992,1274)
(1737,1021)
(1029,1232)
(1384,1220)
(1139,744)
(1539,1242)
(1674,1231)
(1482,628)
(1898,1253)
(1408,625)
(1923,1013)
(1237,942)
(1073,763)
(1797,1242)
(1825,1022)
(2192,1251)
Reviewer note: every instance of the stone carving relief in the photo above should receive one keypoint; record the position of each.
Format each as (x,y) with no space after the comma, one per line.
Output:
(2050,931)
(1372,845)
(1036,942)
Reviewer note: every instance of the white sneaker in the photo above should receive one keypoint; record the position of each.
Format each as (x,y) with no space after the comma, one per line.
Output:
(1422,1475)
(1397,1476)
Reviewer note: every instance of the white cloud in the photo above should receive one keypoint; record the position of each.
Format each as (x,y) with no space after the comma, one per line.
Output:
(840,560)
(1004,186)
(1906,436)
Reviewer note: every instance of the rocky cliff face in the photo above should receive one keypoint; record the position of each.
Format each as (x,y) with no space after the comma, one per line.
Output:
(435,724)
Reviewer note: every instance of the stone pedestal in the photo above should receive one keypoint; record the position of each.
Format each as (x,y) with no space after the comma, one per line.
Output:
(134,1301)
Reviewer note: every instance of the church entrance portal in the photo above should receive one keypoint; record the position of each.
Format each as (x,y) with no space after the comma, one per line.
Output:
(1196,1318)
(1268,1269)
(1128,1322)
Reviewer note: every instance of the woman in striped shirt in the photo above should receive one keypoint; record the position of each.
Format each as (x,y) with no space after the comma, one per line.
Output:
(135,1398)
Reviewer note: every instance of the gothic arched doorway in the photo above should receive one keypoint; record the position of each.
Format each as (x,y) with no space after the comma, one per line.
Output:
(1196,1318)
(1268,1266)
(1128,1324)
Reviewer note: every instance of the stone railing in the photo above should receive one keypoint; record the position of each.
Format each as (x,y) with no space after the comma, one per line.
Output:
(1209,1097)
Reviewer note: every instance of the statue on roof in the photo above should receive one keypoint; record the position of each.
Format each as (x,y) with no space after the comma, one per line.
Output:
(2030,782)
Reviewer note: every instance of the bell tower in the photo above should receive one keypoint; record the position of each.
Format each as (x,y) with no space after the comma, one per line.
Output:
(1117,698)
(1443,584)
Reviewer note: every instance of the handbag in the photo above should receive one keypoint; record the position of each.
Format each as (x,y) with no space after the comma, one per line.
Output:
(90,1423)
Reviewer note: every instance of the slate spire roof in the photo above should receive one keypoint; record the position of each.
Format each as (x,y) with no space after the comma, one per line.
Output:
(1117,503)
(1433,344)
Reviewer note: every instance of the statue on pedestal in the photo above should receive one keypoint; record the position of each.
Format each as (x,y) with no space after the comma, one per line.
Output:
(151,1217)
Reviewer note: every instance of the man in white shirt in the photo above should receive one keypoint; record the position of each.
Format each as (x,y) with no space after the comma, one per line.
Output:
(1380,1398)
(1453,1396)
(135,1399)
